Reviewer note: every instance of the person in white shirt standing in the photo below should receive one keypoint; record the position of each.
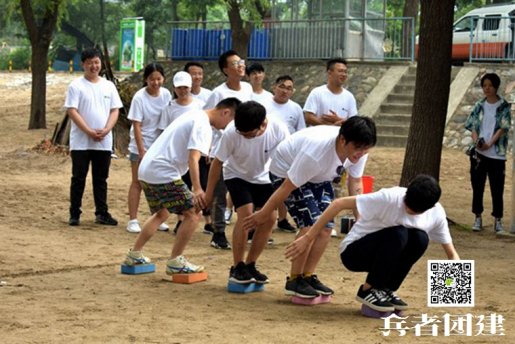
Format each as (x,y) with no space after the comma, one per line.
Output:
(92,103)
(244,151)
(177,150)
(256,74)
(392,232)
(196,70)
(145,112)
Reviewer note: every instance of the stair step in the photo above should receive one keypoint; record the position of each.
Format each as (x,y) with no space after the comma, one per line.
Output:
(392,129)
(404,89)
(391,140)
(400,98)
(393,119)
(392,108)
(408,79)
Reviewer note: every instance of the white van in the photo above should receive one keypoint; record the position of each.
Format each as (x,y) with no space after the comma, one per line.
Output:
(491,30)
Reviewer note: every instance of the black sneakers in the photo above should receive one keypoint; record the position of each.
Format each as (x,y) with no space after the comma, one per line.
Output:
(300,287)
(258,276)
(395,300)
(285,226)
(376,299)
(220,241)
(208,229)
(240,274)
(106,219)
(74,220)
(318,286)
(176,228)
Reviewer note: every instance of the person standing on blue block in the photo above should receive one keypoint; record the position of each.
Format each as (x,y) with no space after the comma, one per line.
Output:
(93,104)
(392,231)
(301,172)
(176,150)
(244,151)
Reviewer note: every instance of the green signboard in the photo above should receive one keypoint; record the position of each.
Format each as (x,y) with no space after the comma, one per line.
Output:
(132,44)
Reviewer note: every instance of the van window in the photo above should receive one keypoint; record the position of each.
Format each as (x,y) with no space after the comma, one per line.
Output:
(491,22)
(464,24)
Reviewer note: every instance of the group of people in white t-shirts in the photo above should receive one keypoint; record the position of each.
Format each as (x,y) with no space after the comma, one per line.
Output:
(187,151)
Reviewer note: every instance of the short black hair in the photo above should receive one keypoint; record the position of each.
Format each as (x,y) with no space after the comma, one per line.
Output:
(222,60)
(193,64)
(228,103)
(255,67)
(422,194)
(151,68)
(494,79)
(359,130)
(283,78)
(249,116)
(90,53)
(330,64)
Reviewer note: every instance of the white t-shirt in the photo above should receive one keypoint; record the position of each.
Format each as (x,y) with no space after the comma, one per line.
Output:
(249,159)
(146,109)
(321,100)
(262,97)
(310,155)
(203,95)
(385,208)
(289,113)
(174,110)
(94,102)
(487,129)
(222,91)
(167,158)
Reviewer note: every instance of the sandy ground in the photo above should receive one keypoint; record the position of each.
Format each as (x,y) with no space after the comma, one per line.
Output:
(62,284)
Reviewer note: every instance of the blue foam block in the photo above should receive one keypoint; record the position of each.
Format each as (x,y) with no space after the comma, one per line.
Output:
(138,269)
(244,288)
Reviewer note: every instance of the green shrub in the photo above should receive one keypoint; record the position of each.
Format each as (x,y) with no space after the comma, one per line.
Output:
(21,58)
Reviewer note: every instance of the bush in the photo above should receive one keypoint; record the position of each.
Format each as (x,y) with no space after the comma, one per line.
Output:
(4,59)
(20,58)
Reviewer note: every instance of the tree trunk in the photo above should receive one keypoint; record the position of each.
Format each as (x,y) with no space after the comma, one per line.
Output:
(240,30)
(39,65)
(410,11)
(424,147)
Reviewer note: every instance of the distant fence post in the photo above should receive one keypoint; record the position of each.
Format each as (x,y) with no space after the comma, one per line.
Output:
(10,66)
(70,67)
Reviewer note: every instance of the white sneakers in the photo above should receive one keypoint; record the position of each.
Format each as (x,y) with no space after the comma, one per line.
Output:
(334,233)
(180,265)
(134,227)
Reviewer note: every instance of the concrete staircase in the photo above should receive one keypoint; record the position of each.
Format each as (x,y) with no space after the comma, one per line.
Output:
(394,115)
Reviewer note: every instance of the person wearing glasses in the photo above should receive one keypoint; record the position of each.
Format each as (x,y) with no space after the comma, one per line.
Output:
(302,169)
(233,67)
(244,151)
(290,113)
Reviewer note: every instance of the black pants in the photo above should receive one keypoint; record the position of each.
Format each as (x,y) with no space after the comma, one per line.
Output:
(203,169)
(495,169)
(100,162)
(387,255)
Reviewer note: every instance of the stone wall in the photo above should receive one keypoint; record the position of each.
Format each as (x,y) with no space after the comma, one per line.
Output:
(456,136)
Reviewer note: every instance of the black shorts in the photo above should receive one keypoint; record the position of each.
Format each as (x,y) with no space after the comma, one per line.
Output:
(243,192)
(203,170)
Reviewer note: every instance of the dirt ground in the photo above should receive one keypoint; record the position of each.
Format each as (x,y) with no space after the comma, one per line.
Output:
(63,285)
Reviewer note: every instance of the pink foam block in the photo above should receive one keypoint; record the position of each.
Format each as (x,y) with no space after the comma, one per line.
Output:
(372,313)
(311,301)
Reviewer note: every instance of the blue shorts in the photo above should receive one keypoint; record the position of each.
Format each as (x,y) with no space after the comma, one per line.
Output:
(133,157)
(306,203)
(174,196)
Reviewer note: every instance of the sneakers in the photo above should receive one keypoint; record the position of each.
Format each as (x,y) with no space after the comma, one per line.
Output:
(227,216)
(396,301)
(208,229)
(478,224)
(376,299)
(133,226)
(74,220)
(106,219)
(285,226)
(135,258)
(299,287)
(240,274)
(176,228)
(258,276)
(334,233)
(318,286)
(163,227)
(180,265)
(220,241)
(498,225)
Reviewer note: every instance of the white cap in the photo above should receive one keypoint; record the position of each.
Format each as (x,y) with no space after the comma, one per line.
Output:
(182,79)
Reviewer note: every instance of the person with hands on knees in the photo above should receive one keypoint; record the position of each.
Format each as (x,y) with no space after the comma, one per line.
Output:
(392,231)
(176,150)
(302,169)
(489,123)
